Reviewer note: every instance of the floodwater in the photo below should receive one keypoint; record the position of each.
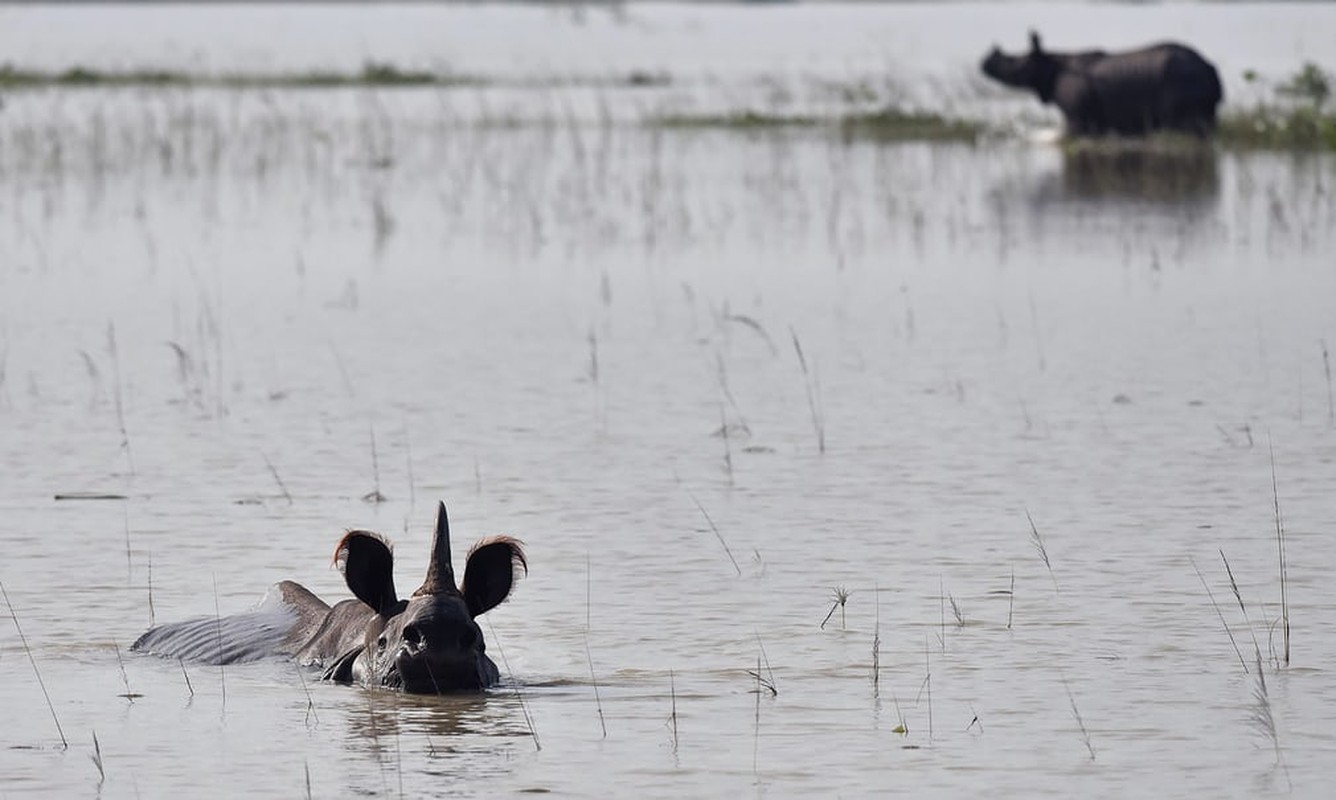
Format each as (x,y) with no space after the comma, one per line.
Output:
(244,311)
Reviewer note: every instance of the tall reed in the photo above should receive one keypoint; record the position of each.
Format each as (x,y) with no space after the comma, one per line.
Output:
(1039,546)
(519,695)
(593,678)
(64,744)
(727,550)
(812,385)
(1080,723)
(1219,613)
(1284,568)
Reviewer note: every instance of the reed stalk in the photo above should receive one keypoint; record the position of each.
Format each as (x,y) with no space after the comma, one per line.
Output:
(1326,369)
(727,550)
(1284,567)
(374,496)
(282,487)
(1219,613)
(876,642)
(524,707)
(97,761)
(64,744)
(672,717)
(1238,597)
(1080,723)
(812,385)
(1038,541)
(218,628)
(1011,596)
(593,678)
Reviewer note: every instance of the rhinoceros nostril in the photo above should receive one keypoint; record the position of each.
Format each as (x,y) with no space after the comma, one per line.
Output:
(413,635)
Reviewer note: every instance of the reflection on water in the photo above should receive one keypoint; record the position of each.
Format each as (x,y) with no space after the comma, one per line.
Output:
(1185,173)
(387,713)
(452,741)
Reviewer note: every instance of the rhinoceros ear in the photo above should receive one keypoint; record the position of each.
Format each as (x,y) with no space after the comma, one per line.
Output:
(367,565)
(1035,45)
(490,572)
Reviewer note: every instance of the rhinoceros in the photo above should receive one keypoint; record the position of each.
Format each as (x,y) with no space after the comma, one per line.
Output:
(1165,86)
(428,643)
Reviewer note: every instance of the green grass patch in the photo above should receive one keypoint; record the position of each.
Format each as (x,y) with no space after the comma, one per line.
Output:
(1299,117)
(895,125)
(372,74)
(886,125)
(738,121)
(1271,127)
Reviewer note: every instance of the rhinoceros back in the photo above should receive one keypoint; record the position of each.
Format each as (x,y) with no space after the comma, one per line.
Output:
(266,631)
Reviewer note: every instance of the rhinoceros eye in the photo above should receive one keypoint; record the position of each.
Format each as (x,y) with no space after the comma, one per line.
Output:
(380,643)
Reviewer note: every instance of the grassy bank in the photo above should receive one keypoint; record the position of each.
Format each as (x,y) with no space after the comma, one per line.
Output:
(886,125)
(1297,117)
(373,74)
(1264,127)
(1273,128)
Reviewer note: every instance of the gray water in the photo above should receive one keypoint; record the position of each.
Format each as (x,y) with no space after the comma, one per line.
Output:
(245,311)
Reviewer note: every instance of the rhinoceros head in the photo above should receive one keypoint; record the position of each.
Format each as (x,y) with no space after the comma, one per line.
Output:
(1035,70)
(429,643)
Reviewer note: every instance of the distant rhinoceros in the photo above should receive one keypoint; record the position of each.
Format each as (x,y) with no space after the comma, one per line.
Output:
(426,644)
(1162,87)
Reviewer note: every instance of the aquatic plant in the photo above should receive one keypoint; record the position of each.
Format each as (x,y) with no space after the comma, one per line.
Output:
(895,124)
(812,384)
(1080,722)
(1219,613)
(1311,84)
(839,596)
(64,744)
(1302,128)
(1037,541)
(379,74)
(1296,118)
(1284,658)
(715,528)
(889,124)
(373,73)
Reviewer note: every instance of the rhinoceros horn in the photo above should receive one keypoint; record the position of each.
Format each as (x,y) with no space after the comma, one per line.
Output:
(440,573)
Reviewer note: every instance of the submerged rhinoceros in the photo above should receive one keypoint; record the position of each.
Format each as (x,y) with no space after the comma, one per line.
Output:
(1162,87)
(427,644)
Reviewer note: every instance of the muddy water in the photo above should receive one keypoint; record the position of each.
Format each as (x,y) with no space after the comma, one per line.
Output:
(245,312)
